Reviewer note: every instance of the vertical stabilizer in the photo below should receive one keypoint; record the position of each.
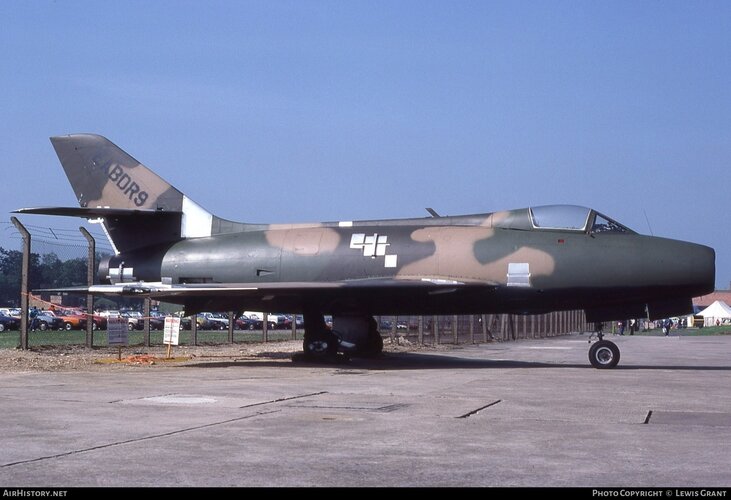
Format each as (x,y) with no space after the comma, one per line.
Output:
(104,176)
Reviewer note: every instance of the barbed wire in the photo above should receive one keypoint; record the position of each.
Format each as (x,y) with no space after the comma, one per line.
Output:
(57,237)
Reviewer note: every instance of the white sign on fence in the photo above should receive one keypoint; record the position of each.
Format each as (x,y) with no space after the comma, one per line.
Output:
(171,331)
(117,331)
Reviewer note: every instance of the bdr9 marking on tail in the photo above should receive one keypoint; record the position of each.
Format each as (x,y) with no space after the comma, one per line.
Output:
(128,186)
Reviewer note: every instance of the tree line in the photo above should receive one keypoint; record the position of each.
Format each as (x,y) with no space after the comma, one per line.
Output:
(46,271)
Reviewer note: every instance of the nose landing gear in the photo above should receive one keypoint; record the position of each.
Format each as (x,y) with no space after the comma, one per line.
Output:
(603,353)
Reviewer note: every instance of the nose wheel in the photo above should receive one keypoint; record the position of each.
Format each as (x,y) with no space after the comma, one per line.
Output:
(604,354)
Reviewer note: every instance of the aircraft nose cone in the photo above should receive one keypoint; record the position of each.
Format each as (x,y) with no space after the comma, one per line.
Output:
(688,266)
(706,266)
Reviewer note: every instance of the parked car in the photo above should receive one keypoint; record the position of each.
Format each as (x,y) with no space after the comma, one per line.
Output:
(298,319)
(7,311)
(186,323)
(157,321)
(47,320)
(243,322)
(278,320)
(134,320)
(109,312)
(100,322)
(8,322)
(214,321)
(73,319)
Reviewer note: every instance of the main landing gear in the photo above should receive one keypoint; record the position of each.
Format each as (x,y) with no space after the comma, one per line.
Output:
(351,335)
(603,353)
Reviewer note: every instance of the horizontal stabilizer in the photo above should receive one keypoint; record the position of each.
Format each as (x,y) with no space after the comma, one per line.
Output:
(128,229)
(93,213)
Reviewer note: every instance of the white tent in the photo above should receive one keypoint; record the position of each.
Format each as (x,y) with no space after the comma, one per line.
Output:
(719,310)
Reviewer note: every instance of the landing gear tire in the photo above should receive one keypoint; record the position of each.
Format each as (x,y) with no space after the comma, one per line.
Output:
(320,343)
(320,346)
(604,354)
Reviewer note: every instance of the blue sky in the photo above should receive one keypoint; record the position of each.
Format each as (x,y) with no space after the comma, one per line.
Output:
(305,111)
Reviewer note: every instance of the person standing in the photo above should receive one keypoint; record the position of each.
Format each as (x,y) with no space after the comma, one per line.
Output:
(33,313)
(666,326)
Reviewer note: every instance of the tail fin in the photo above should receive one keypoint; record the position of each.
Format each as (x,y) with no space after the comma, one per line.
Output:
(102,175)
(146,207)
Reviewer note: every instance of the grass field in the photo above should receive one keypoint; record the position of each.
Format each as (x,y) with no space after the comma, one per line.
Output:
(11,339)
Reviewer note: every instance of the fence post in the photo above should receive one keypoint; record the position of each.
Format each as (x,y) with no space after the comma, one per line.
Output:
(294,327)
(231,320)
(146,320)
(24,272)
(435,326)
(472,328)
(511,324)
(265,327)
(194,329)
(421,330)
(524,325)
(90,267)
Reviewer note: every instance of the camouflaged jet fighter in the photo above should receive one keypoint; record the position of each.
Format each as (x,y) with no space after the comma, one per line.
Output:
(526,261)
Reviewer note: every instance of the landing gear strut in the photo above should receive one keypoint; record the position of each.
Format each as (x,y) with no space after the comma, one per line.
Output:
(353,335)
(603,353)
(319,344)
(373,345)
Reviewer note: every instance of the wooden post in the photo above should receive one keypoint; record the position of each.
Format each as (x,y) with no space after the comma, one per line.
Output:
(524,325)
(392,334)
(484,327)
(265,327)
(435,327)
(231,320)
(562,322)
(455,333)
(90,267)
(24,273)
(421,330)
(512,326)
(294,327)
(194,329)
(146,320)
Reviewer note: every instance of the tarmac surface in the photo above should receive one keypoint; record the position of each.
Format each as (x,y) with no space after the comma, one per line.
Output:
(527,413)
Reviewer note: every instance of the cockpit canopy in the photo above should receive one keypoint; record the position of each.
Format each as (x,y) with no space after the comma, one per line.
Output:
(562,218)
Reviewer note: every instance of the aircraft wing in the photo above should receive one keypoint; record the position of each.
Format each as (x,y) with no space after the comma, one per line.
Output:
(160,290)
(419,294)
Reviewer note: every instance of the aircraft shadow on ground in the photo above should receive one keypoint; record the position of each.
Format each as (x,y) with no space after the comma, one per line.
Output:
(413,361)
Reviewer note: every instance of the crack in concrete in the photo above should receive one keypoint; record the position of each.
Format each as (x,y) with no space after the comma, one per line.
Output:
(136,440)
